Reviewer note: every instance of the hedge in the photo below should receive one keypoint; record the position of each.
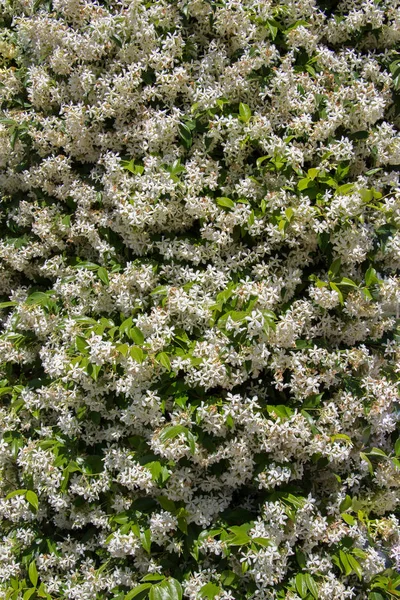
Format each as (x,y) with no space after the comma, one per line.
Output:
(199,299)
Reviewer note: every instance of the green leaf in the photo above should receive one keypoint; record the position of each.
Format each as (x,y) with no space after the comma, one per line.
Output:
(261,159)
(289,213)
(345,189)
(301,585)
(125,325)
(163,359)
(16,493)
(191,442)
(41,592)
(312,173)
(137,591)
(366,195)
(27,595)
(346,503)
(173,431)
(280,410)
(209,590)
(312,586)
(273,28)
(123,349)
(355,565)
(358,552)
(329,181)
(364,457)
(303,184)
(32,498)
(154,577)
(86,265)
(377,452)
(303,344)
(359,135)
(348,519)
(8,304)
(81,343)
(238,536)
(228,577)
(225,202)
(185,135)
(345,563)
(33,574)
(103,275)
(128,165)
(136,335)
(373,171)
(38,298)
(159,290)
(334,269)
(347,281)
(169,589)
(182,525)
(155,468)
(93,371)
(344,437)
(333,286)
(137,354)
(282,225)
(14,136)
(145,538)
(301,558)
(371,277)
(5,390)
(397,447)
(167,504)
(244,112)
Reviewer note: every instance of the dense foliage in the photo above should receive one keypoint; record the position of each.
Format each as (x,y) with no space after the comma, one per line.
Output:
(199,286)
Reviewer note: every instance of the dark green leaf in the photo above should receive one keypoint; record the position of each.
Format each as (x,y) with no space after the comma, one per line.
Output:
(334,269)
(185,135)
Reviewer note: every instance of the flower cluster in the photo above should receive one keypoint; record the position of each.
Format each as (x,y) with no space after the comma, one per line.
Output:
(199,299)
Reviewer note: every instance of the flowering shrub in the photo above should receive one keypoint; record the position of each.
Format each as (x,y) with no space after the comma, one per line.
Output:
(200,253)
